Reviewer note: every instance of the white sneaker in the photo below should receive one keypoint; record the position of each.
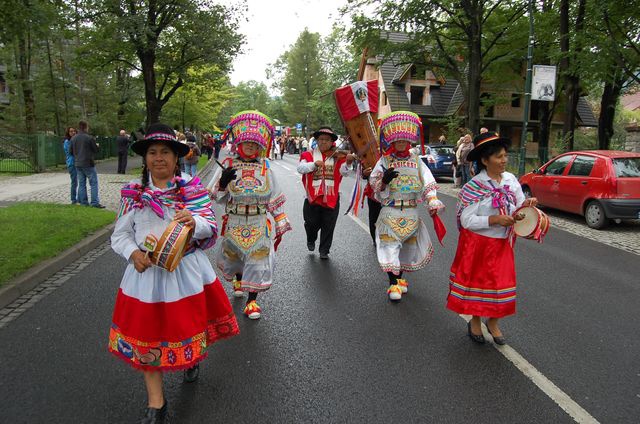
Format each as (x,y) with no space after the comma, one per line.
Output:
(394,292)
(237,289)
(404,285)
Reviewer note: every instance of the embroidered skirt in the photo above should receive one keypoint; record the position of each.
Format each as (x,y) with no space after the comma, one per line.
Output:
(483,277)
(166,321)
(246,248)
(402,240)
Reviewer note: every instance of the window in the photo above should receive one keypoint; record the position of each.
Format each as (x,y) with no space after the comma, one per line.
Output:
(515,100)
(557,166)
(582,166)
(417,93)
(627,167)
(385,101)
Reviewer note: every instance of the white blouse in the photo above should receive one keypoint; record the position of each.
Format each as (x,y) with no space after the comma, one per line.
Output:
(475,217)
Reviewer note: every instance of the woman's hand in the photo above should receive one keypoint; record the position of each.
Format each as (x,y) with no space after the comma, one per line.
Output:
(185,217)
(503,220)
(531,201)
(319,164)
(140,261)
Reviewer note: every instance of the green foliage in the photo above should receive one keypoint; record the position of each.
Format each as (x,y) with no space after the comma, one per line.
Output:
(23,246)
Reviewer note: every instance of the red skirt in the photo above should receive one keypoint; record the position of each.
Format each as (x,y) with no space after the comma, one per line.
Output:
(483,277)
(170,336)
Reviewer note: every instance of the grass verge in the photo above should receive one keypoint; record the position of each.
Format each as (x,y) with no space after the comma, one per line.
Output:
(32,232)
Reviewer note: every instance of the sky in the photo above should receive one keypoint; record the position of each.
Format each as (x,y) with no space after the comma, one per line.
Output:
(273,26)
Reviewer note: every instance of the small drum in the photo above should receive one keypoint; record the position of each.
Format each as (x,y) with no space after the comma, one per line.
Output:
(534,225)
(171,247)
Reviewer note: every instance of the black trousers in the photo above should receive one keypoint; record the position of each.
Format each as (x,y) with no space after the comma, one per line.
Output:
(374,213)
(122,162)
(317,218)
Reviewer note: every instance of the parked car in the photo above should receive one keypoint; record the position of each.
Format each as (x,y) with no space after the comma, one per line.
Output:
(439,159)
(598,184)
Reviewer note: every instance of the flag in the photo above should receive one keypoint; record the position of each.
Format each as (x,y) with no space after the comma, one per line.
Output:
(357,98)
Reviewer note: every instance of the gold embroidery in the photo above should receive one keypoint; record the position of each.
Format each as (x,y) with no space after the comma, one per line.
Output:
(401,226)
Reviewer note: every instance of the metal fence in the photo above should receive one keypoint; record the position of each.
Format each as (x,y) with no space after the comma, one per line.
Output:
(36,153)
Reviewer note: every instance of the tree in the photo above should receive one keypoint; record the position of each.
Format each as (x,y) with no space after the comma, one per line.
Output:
(459,37)
(168,37)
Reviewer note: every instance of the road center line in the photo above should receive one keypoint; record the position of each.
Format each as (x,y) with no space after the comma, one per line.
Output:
(568,405)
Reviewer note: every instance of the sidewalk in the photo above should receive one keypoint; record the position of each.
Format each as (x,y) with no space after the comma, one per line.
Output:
(53,187)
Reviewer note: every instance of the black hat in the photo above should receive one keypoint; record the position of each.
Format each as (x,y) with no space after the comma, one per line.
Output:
(480,142)
(327,131)
(160,133)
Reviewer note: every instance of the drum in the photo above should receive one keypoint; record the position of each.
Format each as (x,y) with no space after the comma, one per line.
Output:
(534,225)
(172,245)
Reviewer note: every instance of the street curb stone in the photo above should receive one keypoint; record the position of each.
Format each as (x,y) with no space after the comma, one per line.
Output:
(25,282)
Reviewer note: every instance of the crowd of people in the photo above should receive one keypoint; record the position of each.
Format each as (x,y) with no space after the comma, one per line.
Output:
(166,320)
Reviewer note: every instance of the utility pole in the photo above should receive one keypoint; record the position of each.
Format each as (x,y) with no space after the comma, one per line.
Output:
(527,94)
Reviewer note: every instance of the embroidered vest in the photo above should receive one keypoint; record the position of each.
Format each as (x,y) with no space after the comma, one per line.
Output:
(408,185)
(323,185)
(250,187)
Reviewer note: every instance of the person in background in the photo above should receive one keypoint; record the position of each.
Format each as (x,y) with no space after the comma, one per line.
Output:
(304,145)
(193,157)
(122,142)
(465,167)
(442,139)
(84,149)
(71,167)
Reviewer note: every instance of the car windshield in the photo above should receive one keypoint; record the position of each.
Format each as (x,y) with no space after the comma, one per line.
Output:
(441,151)
(627,167)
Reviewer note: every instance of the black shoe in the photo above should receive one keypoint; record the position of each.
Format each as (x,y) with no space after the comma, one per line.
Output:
(497,340)
(191,374)
(324,256)
(311,246)
(155,416)
(99,206)
(478,339)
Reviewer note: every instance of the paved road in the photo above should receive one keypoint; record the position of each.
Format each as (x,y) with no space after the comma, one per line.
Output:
(331,348)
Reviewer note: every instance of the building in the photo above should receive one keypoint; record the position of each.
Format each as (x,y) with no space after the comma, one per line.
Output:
(436,97)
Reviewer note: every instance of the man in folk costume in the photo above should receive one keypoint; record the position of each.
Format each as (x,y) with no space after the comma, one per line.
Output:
(248,190)
(322,171)
(401,182)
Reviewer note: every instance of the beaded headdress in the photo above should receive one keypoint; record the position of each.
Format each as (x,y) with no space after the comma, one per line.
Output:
(401,125)
(250,126)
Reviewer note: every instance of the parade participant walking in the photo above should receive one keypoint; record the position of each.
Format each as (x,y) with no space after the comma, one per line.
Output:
(483,277)
(166,321)
(70,162)
(84,149)
(401,182)
(322,171)
(249,191)
(122,141)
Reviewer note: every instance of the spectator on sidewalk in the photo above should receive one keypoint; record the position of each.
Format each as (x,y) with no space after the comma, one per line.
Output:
(71,167)
(193,157)
(84,149)
(122,141)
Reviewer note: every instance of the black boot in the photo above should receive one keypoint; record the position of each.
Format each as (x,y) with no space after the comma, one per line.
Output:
(190,375)
(155,416)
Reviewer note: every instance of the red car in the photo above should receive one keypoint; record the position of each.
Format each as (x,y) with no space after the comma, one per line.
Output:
(599,184)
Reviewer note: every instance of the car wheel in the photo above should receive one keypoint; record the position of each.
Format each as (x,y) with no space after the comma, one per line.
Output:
(595,216)
(527,192)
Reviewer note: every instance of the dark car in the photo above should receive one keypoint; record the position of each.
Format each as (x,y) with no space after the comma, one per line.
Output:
(598,184)
(439,159)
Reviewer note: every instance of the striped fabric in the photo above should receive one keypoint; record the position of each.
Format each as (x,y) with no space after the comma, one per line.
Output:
(190,195)
(473,294)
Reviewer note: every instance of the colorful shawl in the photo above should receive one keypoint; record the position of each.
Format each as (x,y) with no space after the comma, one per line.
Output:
(474,191)
(190,195)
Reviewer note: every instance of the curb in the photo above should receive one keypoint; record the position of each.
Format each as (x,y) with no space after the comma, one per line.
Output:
(27,281)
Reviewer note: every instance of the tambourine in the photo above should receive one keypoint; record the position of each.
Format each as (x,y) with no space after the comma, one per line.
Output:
(531,223)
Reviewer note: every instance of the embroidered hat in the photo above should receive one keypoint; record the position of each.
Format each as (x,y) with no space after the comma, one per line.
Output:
(327,131)
(480,142)
(250,126)
(396,126)
(160,133)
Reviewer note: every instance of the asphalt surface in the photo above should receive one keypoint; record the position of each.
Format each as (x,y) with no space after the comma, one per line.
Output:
(331,348)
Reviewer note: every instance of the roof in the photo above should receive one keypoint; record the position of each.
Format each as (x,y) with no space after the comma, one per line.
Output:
(631,101)
(585,113)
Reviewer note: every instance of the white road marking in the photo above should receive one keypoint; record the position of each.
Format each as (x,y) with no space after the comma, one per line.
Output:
(568,405)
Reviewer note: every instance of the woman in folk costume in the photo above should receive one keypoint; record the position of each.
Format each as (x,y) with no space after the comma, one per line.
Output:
(401,182)
(248,190)
(483,276)
(166,321)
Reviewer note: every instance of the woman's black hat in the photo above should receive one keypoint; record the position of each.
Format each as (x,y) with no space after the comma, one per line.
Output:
(482,141)
(160,133)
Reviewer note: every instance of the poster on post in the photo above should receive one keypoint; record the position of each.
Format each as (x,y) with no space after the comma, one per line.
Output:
(543,85)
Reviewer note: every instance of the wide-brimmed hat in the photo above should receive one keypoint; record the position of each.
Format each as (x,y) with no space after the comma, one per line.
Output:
(160,133)
(325,130)
(482,141)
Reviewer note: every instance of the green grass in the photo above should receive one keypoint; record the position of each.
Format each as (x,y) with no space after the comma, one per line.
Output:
(32,232)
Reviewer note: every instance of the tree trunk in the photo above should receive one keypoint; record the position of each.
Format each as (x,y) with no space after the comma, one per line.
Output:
(23,61)
(121,86)
(608,103)
(53,89)
(544,117)
(474,76)
(154,105)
